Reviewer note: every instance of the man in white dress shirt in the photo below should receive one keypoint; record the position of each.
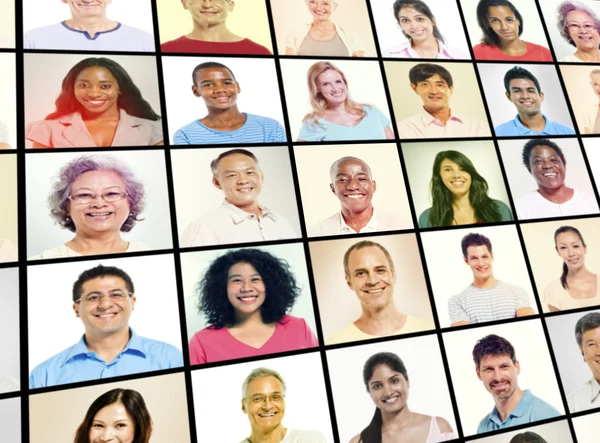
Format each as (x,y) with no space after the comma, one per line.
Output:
(434,85)
(240,218)
(353,185)
(587,333)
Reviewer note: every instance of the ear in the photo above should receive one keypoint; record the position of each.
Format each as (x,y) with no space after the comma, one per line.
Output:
(195,91)
(507,96)
(183,3)
(518,366)
(582,353)
(231,5)
(413,87)
(349,283)
(374,186)
(76,309)
(133,300)
(541,96)
(244,407)
(332,187)
(216,183)
(465,259)
(238,88)
(478,372)
(451,90)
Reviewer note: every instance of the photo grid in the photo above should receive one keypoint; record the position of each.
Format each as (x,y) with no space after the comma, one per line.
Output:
(300,221)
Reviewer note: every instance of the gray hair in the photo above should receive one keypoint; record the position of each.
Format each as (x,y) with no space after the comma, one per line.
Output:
(567,6)
(58,200)
(585,323)
(335,164)
(258,373)
(594,71)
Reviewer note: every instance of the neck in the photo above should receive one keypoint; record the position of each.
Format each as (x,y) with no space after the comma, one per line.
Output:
(591,54)
(485,282)
(105,242)
(252,208)
(248,321)
(357,220)
(535,121)
(442,114)
(210,32)
(429,44)
(274,435)
(107,347)
(513,47)
(111,114)
(224,116)
(461,201)
(337,108)
(322,25)
(394,421)
(579,274)
(558,195)
(384,321)
(91,24)
(506,406)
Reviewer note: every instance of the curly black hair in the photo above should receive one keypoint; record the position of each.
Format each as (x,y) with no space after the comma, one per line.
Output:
(281,288)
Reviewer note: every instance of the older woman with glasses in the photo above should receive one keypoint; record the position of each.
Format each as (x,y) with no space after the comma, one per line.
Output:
(580,27)
(96,197)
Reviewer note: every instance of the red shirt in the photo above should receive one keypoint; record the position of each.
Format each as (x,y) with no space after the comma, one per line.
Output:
(184,44)
(535,53)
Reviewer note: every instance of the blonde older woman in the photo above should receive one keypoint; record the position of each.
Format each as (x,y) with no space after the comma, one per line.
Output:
(591,121)
(335,115)
(580,26)
(322,36)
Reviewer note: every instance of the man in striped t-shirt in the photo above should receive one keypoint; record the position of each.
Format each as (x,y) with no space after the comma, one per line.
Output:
(486,298)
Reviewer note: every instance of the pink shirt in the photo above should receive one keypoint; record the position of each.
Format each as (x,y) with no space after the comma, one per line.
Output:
(405,50)
(535,53)
(211,345)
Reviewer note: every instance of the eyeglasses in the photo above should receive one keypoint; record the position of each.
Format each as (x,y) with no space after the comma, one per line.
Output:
(260,399)
(95,298)
(108,197)
(588,27)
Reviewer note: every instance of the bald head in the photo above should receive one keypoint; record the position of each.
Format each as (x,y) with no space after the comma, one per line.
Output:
(339,164)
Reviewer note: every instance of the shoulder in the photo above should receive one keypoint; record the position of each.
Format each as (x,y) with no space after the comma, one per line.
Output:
(260,120)
(208,333)
(298,32)
(424,219)
(133,32)
(355,439)
(502,207)
(348,333)
(506,128)
(325,226)
(443,425)
(194,126)
(54,362)
(156,346)
(254,48)
(543,408)
(58,252)
(44,30)
(564,129)
(291,322)
(509,287)
(304,436)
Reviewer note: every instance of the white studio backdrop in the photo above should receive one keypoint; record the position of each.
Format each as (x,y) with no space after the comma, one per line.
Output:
(9,324)
(218,397)
(155,290)
(195,194)
(259,91)
(450,275)
(586,428)
(149,168)
(537,374)
(389,32)
(195,264)
(428,385)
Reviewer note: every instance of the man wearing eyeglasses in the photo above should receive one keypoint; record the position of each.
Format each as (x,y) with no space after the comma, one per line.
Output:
(103,298)
(263,400)
(210,34)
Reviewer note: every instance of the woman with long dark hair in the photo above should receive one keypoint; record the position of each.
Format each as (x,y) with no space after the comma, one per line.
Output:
(386,380)
(577,286)
(99,106)
(119,415)
(459,195)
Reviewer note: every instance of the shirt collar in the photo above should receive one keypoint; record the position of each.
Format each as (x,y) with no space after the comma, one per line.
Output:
(519,411)
(523,130)
(372,224)
(595,389)
(135,344)
(124,119)
(239,215)
(429,119)
(407,46)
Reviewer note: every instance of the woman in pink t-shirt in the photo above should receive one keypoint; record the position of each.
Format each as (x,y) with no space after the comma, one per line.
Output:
(245,295)
(502,26)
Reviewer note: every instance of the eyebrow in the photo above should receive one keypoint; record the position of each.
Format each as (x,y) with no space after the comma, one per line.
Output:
(101,81)
(239,275)
(212,80)
(416,15)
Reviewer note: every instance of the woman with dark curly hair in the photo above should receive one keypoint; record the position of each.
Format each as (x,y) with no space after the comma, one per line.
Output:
(97,197)
(117,415)
(246,295)
(459,195)
(99,106)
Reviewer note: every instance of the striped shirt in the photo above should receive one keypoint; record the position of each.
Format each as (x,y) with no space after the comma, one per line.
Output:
(230,224)
(477,305)
(257,129)
(3,133)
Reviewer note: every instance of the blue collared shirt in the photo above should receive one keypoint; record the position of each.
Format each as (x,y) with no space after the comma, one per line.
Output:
(77,363)
(515,127)
(529,409)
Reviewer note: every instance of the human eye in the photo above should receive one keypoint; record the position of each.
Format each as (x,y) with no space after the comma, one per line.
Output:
(276,397)
(359,273)
(256,279)
(97,425)
(117,295)
(92,298)
(342,180)
(105,86)
(420,19)
(510,19)
(376,385)
(258,399)
(83,195)
(404,20)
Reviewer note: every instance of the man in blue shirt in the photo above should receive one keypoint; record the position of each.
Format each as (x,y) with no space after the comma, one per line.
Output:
(217,86)
(523,90)
(103,298)
(497,367)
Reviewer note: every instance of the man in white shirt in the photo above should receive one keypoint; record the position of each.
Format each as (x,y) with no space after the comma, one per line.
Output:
(240,218)
(434,85)
(587,334)
(353,185)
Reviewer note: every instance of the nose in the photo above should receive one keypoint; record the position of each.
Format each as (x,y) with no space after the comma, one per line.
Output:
(97,202)
(503,25)
(105,302)
(353,184)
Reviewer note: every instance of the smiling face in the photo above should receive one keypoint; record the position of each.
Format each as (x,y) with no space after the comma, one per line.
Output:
(547,168)
(388,389)
(321,10)
(525,96)
(264,403)
(499,375)
(416,25)
(240,179)
(480,261)
(504,23)
(331,85)
(455,178)
(434,92)
(98,216)
(245,289)
(96,89)
(107,317)
(87,8)
(595,83)
(582,30)
(208,13)
(570,248)
(217,87)
(590,350)
(353,185)
(112,424)
(371,277)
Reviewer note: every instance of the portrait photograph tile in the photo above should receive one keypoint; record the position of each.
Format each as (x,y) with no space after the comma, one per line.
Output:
(8,98)
(585,427)
(9,227)
(10,364)
(584,99)
(555,432)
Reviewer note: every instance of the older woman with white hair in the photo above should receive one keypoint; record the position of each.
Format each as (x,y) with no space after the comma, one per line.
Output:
(323,37)
(97,197)
(580,27)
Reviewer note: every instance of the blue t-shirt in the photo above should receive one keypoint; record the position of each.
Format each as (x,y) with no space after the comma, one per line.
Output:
(371,127)
(505,214)
(257,129)
(515,127)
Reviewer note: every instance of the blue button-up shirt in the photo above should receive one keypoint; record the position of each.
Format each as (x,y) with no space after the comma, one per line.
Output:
(77,363)
(515,127)
(529,409)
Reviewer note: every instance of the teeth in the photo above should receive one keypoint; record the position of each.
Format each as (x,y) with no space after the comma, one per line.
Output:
(374,291)
(355,196)
(551,174)
(248,298)
(267,415)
